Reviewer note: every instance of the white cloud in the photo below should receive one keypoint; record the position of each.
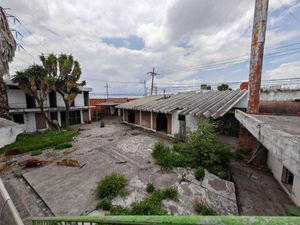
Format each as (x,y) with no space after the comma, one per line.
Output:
(285,70)
(212,31)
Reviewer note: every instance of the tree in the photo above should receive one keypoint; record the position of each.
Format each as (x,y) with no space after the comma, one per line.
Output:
(66,72)
(224,87)
(35,82)
(7,52)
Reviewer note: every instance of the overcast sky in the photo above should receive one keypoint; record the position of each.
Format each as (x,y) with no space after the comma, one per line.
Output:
(188,41)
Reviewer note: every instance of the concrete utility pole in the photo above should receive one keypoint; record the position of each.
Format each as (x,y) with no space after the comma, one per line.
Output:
(145,88)
(153,74)
(106,86)
(257,53)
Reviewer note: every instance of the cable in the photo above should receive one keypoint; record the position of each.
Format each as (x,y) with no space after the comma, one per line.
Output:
(288,11)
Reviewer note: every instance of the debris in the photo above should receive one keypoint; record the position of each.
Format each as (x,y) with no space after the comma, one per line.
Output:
(121,162)
(30,163)
(13,151)
(4,168)
(110,139)
(70,150)
(251,176)
(69,162)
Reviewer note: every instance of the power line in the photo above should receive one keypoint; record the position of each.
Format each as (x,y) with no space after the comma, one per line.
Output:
(289,12)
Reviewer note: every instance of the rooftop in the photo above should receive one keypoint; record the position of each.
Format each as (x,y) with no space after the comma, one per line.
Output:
(207,103)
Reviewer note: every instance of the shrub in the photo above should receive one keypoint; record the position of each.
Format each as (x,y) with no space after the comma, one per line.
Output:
(170,193)
(119,210)
(202,148)
(111,185)
(63,145)
(102,124)
(202,208)
(150,188)
(220,171)
(36,152)
(104,204)
(199,173)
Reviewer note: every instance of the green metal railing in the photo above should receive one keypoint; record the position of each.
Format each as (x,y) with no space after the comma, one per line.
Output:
(166,220)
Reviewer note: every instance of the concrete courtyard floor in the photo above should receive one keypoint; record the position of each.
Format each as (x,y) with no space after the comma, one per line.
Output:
(118,148)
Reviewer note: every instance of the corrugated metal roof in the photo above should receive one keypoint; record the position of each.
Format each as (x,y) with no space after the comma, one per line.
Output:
(209,103)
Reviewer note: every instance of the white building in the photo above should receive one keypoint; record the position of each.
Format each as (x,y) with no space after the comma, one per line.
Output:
(24,110)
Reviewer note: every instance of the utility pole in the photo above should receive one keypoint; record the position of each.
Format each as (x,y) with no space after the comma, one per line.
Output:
(145,88)
(153,74)
(257,53)
(106,86)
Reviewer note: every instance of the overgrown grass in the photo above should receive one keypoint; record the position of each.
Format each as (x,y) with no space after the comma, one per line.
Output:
(202,148)
(203,209)
(150,205)
(38,141)
(199,173)
(111,185)
(63,145)
(150,187)
(36,152)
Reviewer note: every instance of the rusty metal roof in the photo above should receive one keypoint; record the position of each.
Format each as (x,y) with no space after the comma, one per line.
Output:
(209,103)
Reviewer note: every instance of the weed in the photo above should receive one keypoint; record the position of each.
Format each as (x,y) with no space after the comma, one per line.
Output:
(202,148)
(199,173)
(119,210)
(36,152)
(102,124)
(170,193)
(220,171)
(104,204)
(150,188)
(36,141)
(111,185)
(63,145)
(202,208)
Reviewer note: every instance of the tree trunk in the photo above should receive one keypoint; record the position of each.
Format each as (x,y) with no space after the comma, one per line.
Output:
(4,107)
(67,114)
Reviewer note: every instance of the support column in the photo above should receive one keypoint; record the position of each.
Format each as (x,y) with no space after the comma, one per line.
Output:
(81,117)
(151,122)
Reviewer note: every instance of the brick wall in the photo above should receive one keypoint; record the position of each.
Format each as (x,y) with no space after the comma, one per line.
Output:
(246,140)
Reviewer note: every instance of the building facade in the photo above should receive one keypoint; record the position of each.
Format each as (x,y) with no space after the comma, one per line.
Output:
(23,109)
(177,114)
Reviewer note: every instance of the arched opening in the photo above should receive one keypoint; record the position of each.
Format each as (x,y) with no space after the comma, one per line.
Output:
(161,122)
(131,117)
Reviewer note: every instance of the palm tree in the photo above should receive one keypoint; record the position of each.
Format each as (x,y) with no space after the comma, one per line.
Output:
(36,82)
(7,52)
(66,72)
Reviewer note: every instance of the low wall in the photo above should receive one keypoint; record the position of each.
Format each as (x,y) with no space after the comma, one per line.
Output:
(9,131)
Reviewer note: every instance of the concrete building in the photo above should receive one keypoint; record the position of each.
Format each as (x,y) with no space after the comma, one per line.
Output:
(176,114)
(23,109)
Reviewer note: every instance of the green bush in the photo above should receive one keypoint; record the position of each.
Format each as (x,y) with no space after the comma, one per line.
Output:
(202,148)
(102,124)
(170,193)
(220,171)
(150,188)
(36,152)
(111,185)
(63,145)
(119,210)
(199,173)
(203,209)
(104,204)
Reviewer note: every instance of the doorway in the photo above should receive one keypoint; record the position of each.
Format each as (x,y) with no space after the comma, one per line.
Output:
(161,122)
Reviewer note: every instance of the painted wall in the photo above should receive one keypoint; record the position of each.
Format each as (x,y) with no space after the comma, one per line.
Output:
(146,119)
(271,95)
(175,123)
(16,98)
(29,121)
(276,167)
(191,122)
(79,100)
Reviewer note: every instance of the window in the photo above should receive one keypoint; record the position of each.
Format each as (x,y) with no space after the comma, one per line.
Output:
(86,98)
(181,117)
(52,99)
(18,118)
(75,117)
(30,102)
(287,178)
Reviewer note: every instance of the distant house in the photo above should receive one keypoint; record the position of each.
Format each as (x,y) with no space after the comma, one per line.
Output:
(24,110)
(107,106)
(175,114)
